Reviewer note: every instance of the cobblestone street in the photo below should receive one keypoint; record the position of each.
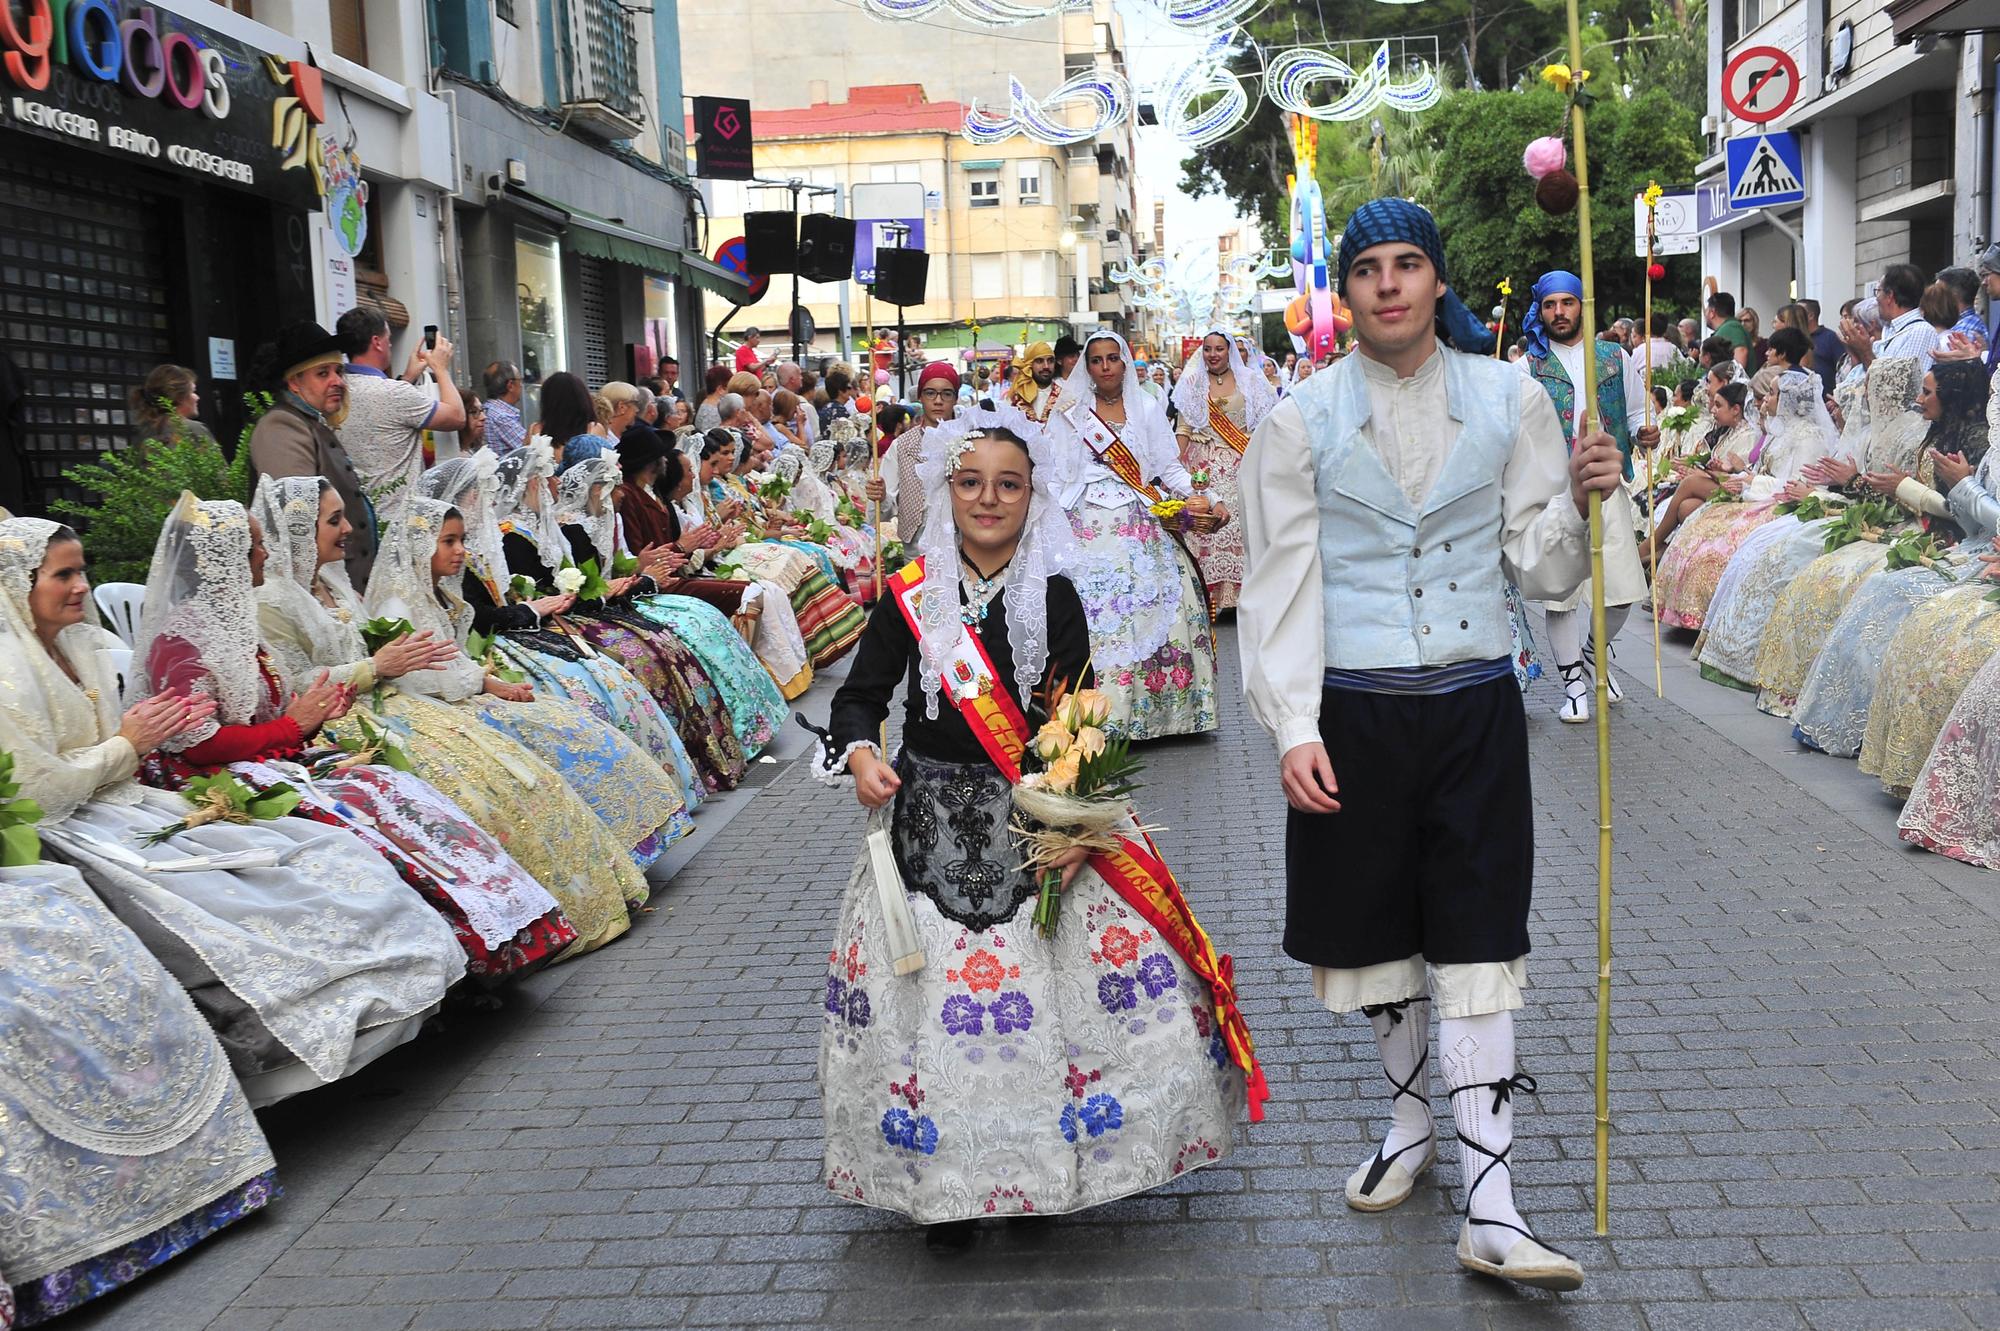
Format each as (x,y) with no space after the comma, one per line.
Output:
(1806,1071)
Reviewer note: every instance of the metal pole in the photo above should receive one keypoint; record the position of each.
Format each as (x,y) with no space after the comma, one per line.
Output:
(1652,534)
(796,185)
(846,325)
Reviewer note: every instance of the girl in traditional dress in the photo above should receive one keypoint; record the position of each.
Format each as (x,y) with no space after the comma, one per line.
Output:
(126,1138)
(1836,705)
(1151,637)
(1010,1074)
(310,620)
(532,635)
(1954,806)
(1811,604)
(310,959)
(1221,400)
(198,634)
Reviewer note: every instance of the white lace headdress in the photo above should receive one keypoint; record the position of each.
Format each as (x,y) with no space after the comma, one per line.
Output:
(27,692)
(1191,391)
(1048,545)
(585,502)
(471,484)
(287,507)
(198,592)
(534,516)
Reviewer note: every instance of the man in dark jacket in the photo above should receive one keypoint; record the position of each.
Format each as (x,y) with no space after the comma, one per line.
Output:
(296,436)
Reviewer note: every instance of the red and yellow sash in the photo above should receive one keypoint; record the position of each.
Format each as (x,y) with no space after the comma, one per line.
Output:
(1227,430)
(1136,870)
(1103,441)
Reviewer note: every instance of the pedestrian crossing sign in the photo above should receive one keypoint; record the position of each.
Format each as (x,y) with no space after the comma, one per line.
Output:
(1765,170)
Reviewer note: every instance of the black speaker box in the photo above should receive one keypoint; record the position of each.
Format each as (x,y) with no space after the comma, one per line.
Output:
(826,247)
(899,276)
(770,245)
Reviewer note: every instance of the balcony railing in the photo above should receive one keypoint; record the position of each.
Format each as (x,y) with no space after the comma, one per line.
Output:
(600,63)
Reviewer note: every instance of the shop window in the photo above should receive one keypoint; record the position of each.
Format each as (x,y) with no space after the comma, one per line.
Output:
(986,190)
(350,31)
(538,286)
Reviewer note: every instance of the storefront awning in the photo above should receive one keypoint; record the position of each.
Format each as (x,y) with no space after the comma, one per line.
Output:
(1913,18)
(713,277)
(602,239)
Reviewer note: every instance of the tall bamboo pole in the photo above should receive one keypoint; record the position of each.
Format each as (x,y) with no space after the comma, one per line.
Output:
(1652,544)
(1598,635)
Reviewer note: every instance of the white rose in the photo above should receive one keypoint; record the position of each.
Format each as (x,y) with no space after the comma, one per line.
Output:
(569,581)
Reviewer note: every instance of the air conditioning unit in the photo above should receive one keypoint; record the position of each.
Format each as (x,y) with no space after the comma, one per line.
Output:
(677,151)
(601,120)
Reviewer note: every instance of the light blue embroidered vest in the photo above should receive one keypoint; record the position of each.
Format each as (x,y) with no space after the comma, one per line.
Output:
(1403,584)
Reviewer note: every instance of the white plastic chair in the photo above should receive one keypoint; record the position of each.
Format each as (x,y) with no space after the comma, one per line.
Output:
(120,603)
(120,661)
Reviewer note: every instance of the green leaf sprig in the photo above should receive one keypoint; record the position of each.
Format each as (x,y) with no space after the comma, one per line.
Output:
(1868,520)
(20,844)
(485,648)
(379,632)
(222,798)
(623,565)
(1914,548)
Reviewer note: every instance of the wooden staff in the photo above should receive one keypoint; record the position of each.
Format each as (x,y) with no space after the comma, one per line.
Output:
(1506,289)
(1598,633)
(1652,197)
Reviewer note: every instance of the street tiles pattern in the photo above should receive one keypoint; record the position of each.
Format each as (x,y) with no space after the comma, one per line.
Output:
(1805,1073)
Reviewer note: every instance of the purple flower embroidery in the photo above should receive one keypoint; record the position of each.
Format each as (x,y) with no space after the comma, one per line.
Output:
(856,1010)
(1011,1012)
(1118,993)
(835,995)
(925,1138)
(898,1128)
(1070,1123)
(1156,973)
(963,1015)
(1101,1114)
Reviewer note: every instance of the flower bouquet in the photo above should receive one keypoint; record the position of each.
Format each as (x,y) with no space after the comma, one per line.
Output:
(19,842)
(1869,520)
(224,799)
(523,587)
(1076,796)
(582,581)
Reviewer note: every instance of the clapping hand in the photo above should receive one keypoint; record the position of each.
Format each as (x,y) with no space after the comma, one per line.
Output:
(545,606)
(1885,482)
(1830,471)
(506,692)
(151,721)
(1951,468)
(413,651)
(322,701)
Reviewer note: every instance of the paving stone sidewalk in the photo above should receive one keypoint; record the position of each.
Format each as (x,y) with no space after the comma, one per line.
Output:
(1805,1076)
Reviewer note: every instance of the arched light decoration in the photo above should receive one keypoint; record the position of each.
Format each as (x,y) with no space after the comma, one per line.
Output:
(1292,74)
(1207,74)
(1105,95)
(1208,13)
(992,13)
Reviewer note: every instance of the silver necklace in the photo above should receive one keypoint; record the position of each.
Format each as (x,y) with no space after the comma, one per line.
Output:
(980,591)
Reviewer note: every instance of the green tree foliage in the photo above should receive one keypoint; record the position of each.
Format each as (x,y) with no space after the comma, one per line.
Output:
(134,491)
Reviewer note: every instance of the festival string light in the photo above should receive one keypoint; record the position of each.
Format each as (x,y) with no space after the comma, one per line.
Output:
(1106,96)
(1292,75)
(1204,101)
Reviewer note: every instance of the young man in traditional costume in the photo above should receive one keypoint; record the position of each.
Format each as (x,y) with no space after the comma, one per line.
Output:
(1387,502)
(1554,329)
(1035,388)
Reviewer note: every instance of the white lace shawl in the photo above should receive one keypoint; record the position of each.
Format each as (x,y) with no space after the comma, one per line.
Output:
(585,501)
(534,518)
(199,591)
(1048,545)
(471,484)
(288,509)
(1896,430)
(401,587)
(1191,391)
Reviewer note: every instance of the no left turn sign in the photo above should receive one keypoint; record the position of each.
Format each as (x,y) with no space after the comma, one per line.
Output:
(1760,84)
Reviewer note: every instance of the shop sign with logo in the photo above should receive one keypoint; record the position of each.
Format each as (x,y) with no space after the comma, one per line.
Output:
(138,82)
(346,196)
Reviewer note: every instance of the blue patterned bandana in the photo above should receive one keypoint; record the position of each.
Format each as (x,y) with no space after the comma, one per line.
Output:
(1380,221)
(1557,283)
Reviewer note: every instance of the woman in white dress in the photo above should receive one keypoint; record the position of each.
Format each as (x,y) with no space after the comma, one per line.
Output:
(1151,637)
(1222,398)
(298,943)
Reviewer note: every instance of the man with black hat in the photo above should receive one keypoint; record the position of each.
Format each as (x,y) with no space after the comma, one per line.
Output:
(1068,352)
(1387,502)
(296,437)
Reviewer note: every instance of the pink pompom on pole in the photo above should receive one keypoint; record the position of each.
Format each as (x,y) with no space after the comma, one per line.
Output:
(1544,156)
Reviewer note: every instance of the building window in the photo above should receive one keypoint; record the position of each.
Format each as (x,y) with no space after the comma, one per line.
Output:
(989,276)
(504,11)
(350,31)
(986,190)
(538,287)
(886,173)
(1077,62)
(1038,276)
(1029,176)
(601,54)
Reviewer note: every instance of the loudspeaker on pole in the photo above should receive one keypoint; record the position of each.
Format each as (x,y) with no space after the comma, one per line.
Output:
(826,247)
(900,276)
(770,243)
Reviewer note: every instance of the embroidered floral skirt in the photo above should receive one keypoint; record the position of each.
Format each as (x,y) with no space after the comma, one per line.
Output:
(1150,637)
(1743,600)
(1010,1075)
(749,695)
(1931,660)
(1220,551)
(1954,806)
(1831,711)
(674,676)
(1803,619)
(1693,563)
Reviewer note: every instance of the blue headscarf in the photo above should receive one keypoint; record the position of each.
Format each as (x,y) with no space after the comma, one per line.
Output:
(1380,221)
(1557,283)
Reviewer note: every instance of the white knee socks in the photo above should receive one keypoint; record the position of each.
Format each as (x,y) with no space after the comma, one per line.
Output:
(1476,1055)
(1567,628)
(1403,1033)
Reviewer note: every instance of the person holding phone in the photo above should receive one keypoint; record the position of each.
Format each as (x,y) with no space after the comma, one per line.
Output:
(386,418)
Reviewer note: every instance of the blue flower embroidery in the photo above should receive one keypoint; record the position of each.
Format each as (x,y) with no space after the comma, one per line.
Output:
(1118,993)
(1217,1050)
(1101,1114)
(856,1010)
(1011,1011)
(912,1133)
(1070,1122)
(963,1015)
(1156,973)
(835,995)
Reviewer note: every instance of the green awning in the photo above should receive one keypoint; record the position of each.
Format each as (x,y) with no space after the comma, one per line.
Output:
(601,239)
(713,277)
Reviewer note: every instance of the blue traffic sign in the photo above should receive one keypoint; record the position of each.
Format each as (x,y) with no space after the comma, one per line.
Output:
(1765,170)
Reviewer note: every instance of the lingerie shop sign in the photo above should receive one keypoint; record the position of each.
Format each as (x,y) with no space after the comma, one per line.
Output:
(141,83)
